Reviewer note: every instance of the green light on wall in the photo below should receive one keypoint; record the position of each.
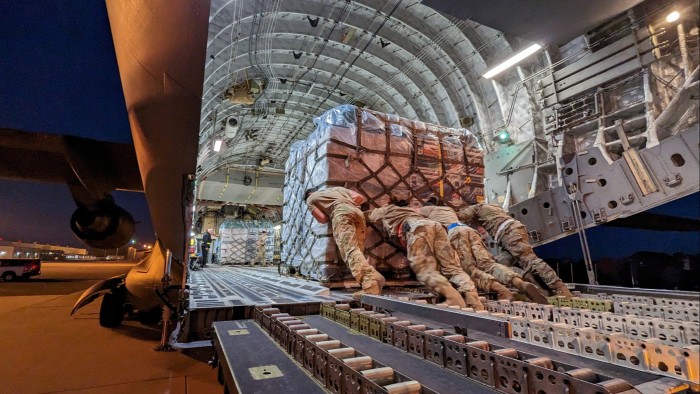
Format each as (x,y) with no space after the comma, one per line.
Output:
(503,137)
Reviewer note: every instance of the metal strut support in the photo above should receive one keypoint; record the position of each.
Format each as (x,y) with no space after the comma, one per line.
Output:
(164,345)
(580,229)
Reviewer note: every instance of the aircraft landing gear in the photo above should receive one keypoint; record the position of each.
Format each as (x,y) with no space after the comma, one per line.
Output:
(112,308)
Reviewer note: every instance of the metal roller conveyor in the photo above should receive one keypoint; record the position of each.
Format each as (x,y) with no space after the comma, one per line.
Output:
(504,369)
(666,347)
(607,343)
(334,365)
(454,317)
(618,347)
(410,353)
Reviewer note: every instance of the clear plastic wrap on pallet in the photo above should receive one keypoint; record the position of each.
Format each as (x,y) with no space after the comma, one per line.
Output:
(383,157)
(238,241)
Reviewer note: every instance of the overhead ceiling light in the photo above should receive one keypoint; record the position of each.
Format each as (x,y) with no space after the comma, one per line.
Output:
(217,145)
(515,59)
(672,17)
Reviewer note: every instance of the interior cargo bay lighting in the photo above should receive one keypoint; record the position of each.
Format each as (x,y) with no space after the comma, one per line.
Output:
(503,136)
(673,16)
(217,145)
(515,59)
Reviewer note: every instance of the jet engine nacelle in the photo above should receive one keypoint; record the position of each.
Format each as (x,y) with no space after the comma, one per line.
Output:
(107,226)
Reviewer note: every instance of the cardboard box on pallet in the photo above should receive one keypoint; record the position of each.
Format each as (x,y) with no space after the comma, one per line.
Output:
(238,241)
(381,156)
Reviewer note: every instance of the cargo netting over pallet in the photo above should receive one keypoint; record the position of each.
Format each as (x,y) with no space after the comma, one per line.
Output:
(239,241)
(382,157)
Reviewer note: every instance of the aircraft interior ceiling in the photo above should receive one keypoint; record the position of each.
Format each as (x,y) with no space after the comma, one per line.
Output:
(400,57)
(271,67)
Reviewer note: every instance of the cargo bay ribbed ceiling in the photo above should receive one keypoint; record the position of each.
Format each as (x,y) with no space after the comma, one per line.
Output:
(272,66)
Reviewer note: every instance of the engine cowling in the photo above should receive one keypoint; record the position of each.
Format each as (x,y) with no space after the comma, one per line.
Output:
(107,226)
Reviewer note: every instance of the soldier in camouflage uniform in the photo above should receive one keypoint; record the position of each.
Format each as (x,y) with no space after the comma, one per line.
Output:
(506,259)
(429,253)
(341,206)
(476,260)
(512,236)
(260,248)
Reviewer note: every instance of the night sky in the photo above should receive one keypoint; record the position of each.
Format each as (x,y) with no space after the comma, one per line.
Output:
(618,242)
(58,74)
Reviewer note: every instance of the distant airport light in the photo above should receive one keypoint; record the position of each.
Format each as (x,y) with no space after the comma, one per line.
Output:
(217,145)
(672,17)
(515,59)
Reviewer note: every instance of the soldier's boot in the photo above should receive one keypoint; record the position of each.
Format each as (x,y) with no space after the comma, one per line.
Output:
(530,290)
(471,298)
(560,289)
(502,292)
(530,278)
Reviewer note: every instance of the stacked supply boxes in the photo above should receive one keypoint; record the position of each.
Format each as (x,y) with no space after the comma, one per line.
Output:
(382,157)
(238,241)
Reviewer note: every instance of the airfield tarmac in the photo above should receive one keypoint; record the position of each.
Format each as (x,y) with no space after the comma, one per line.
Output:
(45,350)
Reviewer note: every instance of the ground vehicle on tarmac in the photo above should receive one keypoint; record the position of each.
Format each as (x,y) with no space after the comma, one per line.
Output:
(54,255)
(13,269)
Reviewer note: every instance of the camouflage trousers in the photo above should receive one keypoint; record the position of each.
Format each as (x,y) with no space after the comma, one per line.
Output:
(432,258)
(260,255)
(349,231)
(516,241)
(476,259)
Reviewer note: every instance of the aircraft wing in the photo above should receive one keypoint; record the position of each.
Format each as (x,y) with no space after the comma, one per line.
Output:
(161,50)
(91,169)
(98,166)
